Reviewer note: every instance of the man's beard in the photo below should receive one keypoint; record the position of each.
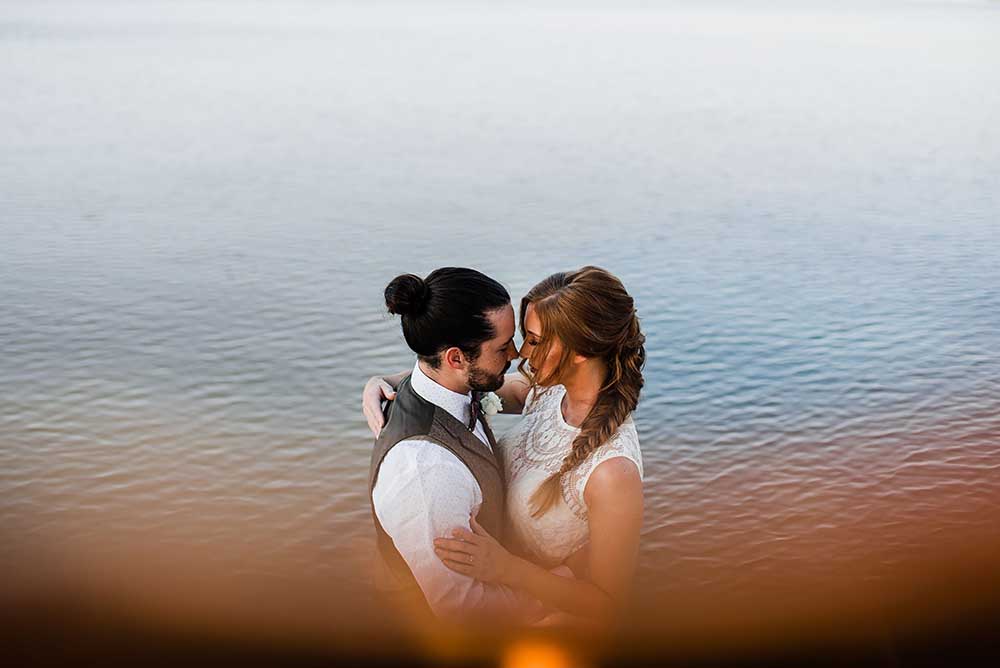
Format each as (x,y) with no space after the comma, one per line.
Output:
(481,380)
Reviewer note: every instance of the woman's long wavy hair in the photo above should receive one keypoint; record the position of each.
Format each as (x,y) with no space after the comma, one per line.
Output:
(591,314)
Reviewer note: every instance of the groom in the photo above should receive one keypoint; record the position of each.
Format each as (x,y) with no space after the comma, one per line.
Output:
(434,463)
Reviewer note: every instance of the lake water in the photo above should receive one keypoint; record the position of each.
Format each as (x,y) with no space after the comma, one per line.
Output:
(201,203)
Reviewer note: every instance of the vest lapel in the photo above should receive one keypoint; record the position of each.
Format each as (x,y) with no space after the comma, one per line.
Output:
(493,447)
(468,440)
(489,434)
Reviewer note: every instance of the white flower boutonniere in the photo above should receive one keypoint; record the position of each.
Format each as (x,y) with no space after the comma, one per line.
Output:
(490,404)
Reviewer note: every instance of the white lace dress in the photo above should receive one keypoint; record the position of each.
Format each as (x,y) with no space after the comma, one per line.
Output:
(533,450)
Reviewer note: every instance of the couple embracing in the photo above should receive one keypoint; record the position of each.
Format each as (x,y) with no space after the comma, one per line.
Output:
(540,525)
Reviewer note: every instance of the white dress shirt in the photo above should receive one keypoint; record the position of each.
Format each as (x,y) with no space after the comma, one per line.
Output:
(424,491)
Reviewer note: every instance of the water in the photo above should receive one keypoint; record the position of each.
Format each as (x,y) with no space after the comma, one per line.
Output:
(200,204)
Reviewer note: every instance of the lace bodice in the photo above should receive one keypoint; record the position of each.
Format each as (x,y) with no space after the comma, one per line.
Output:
(533,450)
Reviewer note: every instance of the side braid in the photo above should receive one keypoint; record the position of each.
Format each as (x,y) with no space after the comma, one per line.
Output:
(617,399)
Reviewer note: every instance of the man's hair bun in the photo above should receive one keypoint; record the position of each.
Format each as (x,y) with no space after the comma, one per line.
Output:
(407,295)
(449,308)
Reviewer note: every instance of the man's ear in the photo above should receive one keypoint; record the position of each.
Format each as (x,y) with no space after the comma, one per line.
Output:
(454,358)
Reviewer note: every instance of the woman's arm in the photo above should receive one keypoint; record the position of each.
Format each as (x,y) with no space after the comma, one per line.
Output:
(614,501)
(377,390)
(513,392)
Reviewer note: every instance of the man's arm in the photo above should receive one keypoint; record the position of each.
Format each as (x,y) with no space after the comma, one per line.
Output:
(423,492)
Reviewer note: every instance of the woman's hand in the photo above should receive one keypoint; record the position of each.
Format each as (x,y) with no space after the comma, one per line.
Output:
(477,554)
(377,390)
(579,562)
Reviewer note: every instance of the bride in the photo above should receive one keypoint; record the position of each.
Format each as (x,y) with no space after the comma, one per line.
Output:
(572,464)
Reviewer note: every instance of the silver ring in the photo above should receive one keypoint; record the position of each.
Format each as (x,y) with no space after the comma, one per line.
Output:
(471,558)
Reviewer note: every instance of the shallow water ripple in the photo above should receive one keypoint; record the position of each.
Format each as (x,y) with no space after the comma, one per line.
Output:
(198,216)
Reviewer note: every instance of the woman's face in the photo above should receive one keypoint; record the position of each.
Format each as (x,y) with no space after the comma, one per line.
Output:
(532,337)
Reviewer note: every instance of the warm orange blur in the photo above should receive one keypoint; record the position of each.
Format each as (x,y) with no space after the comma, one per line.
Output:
(537,654)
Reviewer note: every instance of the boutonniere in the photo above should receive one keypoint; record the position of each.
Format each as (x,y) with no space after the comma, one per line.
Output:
(491,404)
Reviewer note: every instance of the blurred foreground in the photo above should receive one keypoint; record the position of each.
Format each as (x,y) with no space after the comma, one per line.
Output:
(943,612)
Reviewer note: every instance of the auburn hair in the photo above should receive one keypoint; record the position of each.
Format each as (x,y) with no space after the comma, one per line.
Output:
(591,314)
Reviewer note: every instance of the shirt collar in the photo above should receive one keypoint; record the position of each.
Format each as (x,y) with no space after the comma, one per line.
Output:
(458,405)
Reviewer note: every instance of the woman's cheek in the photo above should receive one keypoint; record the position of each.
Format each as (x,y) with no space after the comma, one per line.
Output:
(543,366)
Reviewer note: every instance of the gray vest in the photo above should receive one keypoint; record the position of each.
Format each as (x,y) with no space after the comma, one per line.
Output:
(410,416)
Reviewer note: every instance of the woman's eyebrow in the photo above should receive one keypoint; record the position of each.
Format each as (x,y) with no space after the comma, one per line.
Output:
(533,334)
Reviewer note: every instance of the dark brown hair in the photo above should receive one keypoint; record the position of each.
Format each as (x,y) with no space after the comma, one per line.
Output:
(591,314)
(448,308)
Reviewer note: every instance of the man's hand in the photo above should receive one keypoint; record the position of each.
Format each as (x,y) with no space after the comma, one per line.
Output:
(376,391)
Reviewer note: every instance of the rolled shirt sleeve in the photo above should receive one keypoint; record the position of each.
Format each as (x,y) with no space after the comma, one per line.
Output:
(424,491)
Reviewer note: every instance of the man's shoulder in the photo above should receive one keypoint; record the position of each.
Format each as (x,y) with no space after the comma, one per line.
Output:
(416,470)
(426,456)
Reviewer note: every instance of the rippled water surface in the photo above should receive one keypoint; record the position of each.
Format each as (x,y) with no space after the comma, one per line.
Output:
(200,205)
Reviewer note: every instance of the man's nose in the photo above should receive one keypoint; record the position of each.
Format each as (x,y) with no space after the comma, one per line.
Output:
(513,353)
